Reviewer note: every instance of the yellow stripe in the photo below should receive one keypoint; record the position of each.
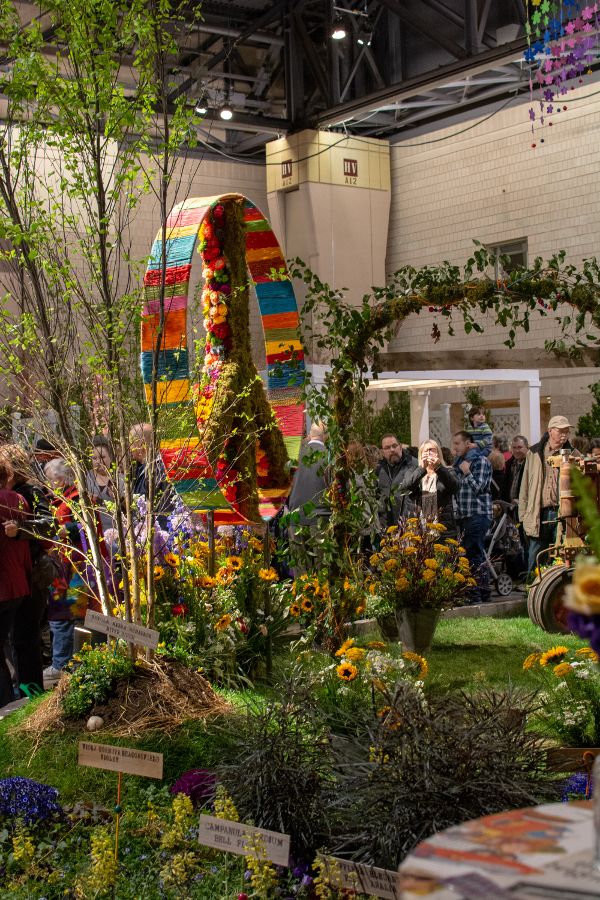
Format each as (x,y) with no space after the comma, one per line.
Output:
(175,444)
(282,346)
(182,231)
(169,391)
(266,493)
(264,253)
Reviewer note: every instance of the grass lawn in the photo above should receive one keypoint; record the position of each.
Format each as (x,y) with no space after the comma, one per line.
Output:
(486,652)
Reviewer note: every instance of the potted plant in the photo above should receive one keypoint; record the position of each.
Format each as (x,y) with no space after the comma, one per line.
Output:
(417,573)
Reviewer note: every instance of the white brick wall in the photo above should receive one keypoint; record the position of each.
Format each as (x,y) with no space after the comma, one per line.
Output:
(488,183)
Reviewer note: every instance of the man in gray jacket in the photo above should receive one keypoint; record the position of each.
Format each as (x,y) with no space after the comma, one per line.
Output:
(309,487)
(391,471)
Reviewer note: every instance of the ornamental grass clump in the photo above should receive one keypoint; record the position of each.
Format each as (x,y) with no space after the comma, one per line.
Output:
(418,568)
(282,764)
(569,699)
(417,766)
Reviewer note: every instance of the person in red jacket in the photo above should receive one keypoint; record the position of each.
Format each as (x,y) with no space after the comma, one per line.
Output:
(15,567)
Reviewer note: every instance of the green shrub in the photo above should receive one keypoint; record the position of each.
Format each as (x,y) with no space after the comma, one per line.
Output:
(96,670)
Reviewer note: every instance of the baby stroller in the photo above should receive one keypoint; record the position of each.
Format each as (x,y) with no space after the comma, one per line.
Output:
(502,547)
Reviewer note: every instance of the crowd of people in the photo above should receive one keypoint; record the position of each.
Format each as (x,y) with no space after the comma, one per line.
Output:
(461,487)
(47,584)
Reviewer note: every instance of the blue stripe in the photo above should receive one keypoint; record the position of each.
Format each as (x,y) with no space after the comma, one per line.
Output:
(173,365)
(286,374)
(275,297)
(179,251)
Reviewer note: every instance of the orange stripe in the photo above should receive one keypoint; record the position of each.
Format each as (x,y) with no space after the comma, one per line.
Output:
(281,320)
(175,330)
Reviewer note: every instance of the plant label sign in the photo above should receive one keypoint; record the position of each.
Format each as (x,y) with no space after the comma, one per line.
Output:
(121,759)
(118,628)
(221,834)
(343,873)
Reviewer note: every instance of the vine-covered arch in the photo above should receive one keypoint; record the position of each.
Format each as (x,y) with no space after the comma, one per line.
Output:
(225,441)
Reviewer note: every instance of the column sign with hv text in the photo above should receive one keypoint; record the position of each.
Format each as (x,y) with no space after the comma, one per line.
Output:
(119,628)
(121,759)
(223,834)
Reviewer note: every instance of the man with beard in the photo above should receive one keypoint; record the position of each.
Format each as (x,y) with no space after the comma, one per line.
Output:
(391,472)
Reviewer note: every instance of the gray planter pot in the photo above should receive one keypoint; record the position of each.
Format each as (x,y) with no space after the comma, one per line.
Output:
(416,628)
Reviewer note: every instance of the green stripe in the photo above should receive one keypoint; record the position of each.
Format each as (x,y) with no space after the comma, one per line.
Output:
(281,334)
(152,292)
(258,225)
(200,500)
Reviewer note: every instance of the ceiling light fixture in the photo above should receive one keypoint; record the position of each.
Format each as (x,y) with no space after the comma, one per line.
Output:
(338,30)
(364,36)
(226,112)
(201,106)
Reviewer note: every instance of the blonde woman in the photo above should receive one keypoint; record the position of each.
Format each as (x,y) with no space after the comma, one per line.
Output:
(432,485)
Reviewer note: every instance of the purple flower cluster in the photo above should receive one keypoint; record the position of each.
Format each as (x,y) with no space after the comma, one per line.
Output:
(28,800)
(577,784)
(198,784)
(587,627)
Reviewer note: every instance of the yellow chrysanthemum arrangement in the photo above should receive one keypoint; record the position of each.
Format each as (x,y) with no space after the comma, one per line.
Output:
(416,567)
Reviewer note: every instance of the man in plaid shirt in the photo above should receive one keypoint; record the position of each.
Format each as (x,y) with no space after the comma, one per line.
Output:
(473,509)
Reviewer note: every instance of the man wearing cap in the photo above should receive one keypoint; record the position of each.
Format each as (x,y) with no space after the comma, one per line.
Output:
(538,496)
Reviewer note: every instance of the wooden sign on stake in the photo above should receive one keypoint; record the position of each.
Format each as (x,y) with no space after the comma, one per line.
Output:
(121,759)
(366,879)
(118,628)
(222,834)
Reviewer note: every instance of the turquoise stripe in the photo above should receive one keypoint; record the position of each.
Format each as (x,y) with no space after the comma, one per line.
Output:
(173,365)
(275,297)
(179,251)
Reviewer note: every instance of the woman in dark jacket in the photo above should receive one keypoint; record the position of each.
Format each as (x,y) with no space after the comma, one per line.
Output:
(15,570)
(34,529)
(432,485)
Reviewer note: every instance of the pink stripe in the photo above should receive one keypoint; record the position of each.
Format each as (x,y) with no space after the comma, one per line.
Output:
(152,307)
(187,217)
(290,418)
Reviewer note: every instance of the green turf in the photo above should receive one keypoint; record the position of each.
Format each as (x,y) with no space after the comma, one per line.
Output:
(485,652)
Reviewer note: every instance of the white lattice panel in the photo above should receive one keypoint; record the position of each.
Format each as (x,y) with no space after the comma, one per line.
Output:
(505,423)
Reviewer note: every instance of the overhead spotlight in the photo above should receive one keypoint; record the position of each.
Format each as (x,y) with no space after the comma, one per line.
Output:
(201,106)
(364,36)
(226,112)
(338,30)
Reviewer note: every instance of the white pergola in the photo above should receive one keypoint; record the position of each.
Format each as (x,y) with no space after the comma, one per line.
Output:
(420,385)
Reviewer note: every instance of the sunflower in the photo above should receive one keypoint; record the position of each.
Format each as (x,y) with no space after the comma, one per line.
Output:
(159,573)
(345,646)
(172,559)
(563,668)
(346,671)
(531,660)
(295,610)
(224,575)
(554,655)
(206,581)
(355,653)
(255,544)
(419,660)
(223,623)
(268,575)
(588,653)
(307,605)
(234,562)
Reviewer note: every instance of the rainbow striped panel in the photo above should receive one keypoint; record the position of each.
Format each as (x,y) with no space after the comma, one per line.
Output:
(185,461)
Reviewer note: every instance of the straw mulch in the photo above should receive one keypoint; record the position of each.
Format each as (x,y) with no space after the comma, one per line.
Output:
(160,696)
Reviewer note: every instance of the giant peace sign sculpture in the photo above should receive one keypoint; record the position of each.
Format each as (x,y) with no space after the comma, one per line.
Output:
(227,441)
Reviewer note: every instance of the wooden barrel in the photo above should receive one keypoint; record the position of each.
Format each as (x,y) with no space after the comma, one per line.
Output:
(545,599)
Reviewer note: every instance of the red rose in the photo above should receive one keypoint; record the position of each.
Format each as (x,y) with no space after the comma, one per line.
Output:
(179,609)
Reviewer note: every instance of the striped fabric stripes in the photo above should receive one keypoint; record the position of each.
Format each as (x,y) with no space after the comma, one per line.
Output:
(185,461)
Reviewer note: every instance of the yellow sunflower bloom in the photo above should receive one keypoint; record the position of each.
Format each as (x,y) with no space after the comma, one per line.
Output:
(159,573)
(530,661)
(234,562)
(554,655)
(588,653)
(346,671)
(345,646)
(206,581)
(562,669)
(354,653)
(223,623)
(255,544)
(224,575)
(420,660)
(268,575)
(295,610)
(172,559)
(307,605)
